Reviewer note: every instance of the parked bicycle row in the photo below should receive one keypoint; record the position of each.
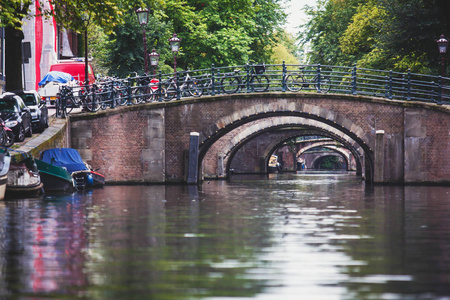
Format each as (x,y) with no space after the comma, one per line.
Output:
(111,92)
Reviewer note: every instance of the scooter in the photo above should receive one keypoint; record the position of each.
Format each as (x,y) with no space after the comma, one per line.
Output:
(7,135)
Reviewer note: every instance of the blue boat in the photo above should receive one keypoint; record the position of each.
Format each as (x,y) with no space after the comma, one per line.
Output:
(71,160)
(55,178)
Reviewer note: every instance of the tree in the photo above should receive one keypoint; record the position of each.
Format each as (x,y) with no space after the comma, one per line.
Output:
(328,22)
(218,32)
(380,34)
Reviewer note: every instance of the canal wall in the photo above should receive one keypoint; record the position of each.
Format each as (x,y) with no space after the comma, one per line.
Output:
(57,135)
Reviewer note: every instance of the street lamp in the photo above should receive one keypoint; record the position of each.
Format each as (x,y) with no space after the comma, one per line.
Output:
(175,46)
(154,59)
(86,18)
(442,45)
(142,14)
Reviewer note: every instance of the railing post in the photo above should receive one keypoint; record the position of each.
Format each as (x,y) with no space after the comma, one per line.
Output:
(390,84)
(178,86)
(283,78)
(213,81)
(159,86)
(111,91)
(319,90)
(354,80)
(94,96)
(129,93)
(248,78)
(408,87)
(439,98)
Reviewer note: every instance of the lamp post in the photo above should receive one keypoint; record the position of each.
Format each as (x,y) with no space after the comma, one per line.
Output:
(175,46)
(86,17)
(442,43)
(154,59)
(142,14)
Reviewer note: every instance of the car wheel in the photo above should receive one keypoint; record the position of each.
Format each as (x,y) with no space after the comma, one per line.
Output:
(46,121)
(21,134)
(42,125)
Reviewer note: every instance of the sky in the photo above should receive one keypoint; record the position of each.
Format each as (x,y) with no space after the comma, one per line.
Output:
(296,17)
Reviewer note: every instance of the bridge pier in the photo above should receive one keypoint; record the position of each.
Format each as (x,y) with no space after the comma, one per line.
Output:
(379,157)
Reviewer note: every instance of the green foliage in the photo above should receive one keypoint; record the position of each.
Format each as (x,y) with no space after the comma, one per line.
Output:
(285,50)
(327,24)
(12,12)
(379,34)
(216,32)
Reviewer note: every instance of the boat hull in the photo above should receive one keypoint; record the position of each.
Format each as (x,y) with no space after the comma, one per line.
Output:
(23,181)
(3,180)
(55,178)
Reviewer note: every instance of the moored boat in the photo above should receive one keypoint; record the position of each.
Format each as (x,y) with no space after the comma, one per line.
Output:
(24,179)
(71,160)
(55,178)
(5,160)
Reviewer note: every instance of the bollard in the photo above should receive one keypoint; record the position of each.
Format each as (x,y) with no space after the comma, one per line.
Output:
(193,158)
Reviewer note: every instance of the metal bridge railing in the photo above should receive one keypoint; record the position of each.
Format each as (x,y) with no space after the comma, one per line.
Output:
(112,92)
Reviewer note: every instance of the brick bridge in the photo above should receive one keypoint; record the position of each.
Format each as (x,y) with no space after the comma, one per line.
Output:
(392,141)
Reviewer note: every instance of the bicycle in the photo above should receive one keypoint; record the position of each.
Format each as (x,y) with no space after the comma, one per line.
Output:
(257,80)
(297,81)
(89,98)
(188,85)
(66,101)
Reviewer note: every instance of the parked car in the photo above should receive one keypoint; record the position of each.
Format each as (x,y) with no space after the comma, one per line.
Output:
(76,68)
(16,115)
(38,109)
(51,84)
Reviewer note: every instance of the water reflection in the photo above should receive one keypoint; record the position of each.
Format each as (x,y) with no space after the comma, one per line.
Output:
(311,237)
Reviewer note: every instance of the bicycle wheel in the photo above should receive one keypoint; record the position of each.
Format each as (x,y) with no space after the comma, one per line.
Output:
(121,96)
(195,88)
(137,95)
(295,82)
(91,103)
(169,91)
(70,104)
(325,84)
(259,83)
(230,84)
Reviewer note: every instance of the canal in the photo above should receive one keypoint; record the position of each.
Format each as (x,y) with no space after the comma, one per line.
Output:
(279,237)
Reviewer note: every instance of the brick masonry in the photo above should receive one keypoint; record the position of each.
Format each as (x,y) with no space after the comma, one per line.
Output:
(147,143)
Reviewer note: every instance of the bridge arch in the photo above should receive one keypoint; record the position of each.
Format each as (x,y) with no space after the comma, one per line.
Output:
(315,162)
(284,113)
(332,146)
(277,143)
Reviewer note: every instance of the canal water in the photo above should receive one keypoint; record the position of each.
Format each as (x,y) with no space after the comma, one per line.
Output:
(277,237)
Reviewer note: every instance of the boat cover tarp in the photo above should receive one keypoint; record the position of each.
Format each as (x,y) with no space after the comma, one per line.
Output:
(56,76)
(64,157)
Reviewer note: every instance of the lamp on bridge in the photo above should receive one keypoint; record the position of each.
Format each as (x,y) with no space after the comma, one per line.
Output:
(154,60)
(175,46)
(442,43)
(86,18)
(142,14)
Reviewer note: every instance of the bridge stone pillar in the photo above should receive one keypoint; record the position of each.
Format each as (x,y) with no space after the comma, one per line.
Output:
(220,168)
(415,145)
(153,156)
(379,157)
